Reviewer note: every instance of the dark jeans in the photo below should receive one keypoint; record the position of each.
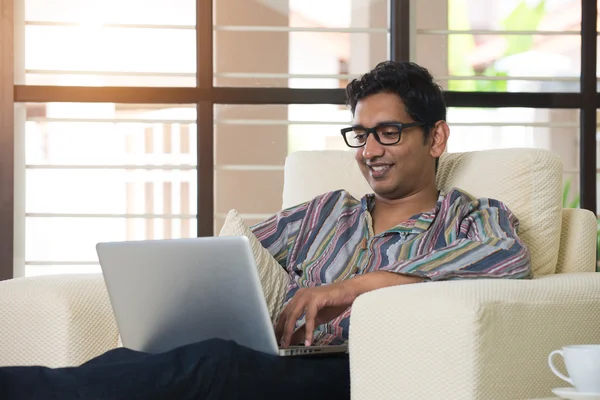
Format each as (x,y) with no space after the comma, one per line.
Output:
(214,369)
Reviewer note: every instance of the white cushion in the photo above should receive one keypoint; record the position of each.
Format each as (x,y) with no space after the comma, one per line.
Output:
(308,174)
(528,181)
(273,277)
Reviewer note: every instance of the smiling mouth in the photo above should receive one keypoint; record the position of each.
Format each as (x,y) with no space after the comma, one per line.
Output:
(378,171)
(380,168)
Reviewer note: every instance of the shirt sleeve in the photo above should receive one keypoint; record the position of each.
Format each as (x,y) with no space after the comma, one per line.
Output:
(483,243)
(278,233)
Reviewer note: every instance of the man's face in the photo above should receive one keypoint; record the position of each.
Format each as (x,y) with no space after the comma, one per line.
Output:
(398,170)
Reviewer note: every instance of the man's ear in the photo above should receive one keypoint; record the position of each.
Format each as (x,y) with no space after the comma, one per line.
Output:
(438,139)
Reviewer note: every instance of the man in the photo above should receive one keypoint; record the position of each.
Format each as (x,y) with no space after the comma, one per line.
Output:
(335,248)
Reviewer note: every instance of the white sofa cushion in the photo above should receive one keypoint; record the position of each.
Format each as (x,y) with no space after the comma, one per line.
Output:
(273,278)
(308,174)
(528,181)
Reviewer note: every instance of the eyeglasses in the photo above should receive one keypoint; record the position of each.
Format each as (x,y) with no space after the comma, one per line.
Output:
(385,134)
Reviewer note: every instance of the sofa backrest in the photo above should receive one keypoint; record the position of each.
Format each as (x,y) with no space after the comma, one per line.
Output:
(528,181)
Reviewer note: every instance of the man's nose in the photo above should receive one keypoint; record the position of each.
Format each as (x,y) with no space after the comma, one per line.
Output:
(372,148)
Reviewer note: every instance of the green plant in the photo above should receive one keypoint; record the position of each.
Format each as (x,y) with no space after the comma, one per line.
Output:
(598,247)
(526,16)
(492,86)
(566,203)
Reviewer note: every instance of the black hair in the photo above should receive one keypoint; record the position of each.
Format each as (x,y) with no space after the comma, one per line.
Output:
(423,98)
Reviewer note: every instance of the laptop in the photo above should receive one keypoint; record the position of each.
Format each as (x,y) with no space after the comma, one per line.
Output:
(169,293)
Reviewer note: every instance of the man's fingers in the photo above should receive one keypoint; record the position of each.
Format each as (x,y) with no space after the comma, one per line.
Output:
(281,322)
(298,336)
(290,323)
(285,315)
(309,326)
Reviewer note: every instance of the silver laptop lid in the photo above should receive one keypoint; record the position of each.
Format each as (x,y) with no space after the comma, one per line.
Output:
(168,293)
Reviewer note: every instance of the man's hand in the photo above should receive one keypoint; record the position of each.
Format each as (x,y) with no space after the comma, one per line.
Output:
(320,305)
(323,303)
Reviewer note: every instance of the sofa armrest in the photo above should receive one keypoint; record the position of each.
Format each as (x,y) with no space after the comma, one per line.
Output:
(60,320)
(486,339)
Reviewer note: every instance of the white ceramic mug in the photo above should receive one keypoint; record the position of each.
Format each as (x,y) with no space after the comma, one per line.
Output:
(583,366)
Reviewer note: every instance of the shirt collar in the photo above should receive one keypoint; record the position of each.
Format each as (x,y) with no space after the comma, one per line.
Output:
(422,220)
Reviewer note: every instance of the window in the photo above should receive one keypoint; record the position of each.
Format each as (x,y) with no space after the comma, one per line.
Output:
(105,172)
(135,125)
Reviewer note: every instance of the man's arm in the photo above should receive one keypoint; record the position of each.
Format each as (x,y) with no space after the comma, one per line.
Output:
(376,280)
(323,303)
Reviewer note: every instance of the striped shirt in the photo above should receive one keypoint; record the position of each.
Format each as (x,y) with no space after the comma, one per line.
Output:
(330,238)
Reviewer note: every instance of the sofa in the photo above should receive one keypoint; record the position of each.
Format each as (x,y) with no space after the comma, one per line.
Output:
(471,339)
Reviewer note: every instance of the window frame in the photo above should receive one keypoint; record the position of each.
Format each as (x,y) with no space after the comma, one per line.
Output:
(7,140)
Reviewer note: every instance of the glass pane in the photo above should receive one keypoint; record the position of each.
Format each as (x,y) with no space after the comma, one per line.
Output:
(544,64)
(258,190)
(303,13)
(90,43)
(508,15)
(298,44)
(276,130)
(252,142)
(62,239)
(98,172)
(506,84)
(474,129)
(110,191)
(166,12)
(110,134)
(318,128)
(520,61)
